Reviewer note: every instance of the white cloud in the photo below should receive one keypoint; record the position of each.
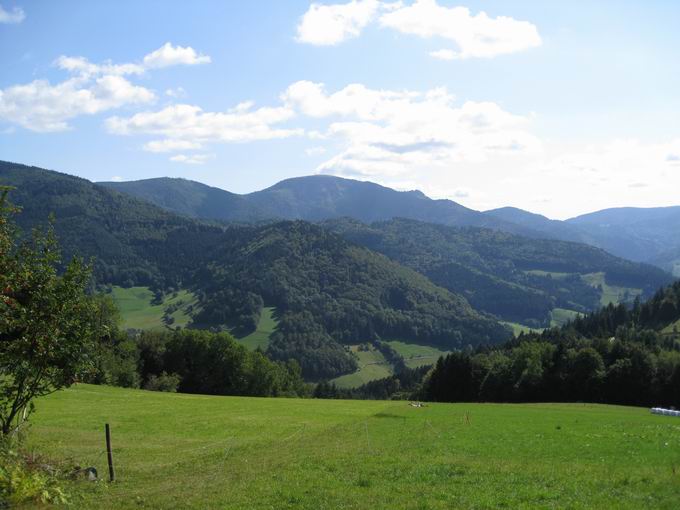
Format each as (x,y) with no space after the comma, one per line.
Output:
(184,126)
(476,35)
(393,133)
(40,106)
(116,178)
(444,54)
(331,24)
(91,89)
(177,92)
(16,15)
(169,55)
(195,159)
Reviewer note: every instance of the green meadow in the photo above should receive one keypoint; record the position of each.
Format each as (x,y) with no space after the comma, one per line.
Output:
(202,452)
(265,327)
(610,293)
(560,316)
(416,355)
(139,312)
(372,365)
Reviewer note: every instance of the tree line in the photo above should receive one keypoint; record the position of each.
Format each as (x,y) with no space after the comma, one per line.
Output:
(617,355)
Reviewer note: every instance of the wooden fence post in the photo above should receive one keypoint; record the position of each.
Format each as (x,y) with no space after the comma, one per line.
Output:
(112,473)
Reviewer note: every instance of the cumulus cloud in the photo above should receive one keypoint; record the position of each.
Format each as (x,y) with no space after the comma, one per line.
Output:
(476,36)
(177,92)
(40,106)
(325,25)
(92,88)
(183,126)
(169,55)
(392,133)
(16,15)
(194,159)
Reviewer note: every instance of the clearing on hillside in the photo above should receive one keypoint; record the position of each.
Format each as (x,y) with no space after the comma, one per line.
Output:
(416,355)
(265,327)
(138,310)
(197,452)
(610,293)
(372,366)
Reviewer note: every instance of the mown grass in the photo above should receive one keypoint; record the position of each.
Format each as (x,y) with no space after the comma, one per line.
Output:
(198,452)
(518,328)
(610,293)
(416,355)
(265,327)
(372,366)
(138,312)
(560,316)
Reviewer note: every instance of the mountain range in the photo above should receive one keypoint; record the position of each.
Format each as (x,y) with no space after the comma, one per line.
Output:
(342,262)
(644,235)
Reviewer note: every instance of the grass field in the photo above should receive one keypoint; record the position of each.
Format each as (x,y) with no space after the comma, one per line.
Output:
(610,293)
(518,328)
(265,327)
(199,452)
(417,355)
(372,365)
(560,316)
(552,274)
(138,311)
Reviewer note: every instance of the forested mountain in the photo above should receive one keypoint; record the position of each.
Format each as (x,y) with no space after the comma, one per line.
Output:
(330,292)
(616,355)
(642,234)
(312,198)
(513,277)
(327,290)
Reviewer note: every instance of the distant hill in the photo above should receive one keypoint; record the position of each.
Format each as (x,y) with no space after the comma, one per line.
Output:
(312,198)
(516,278)
(327,291)
(642,234)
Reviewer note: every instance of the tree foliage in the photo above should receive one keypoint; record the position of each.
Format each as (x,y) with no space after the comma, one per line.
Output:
(47,322)
(617,355)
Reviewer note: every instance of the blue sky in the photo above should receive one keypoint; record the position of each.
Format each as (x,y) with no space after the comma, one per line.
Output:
(556,107)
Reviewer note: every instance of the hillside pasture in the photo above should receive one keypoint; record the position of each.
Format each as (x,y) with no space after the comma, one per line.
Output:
(138,311)
(372,366)
(560,316)
(416,355)
(610,293)
(176,451)
(265,327)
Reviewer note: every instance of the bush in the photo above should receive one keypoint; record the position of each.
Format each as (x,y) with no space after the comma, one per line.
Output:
(163,382)
(22,481)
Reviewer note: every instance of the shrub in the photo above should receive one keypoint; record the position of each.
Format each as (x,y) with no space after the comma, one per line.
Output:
(24,482)
(164,382)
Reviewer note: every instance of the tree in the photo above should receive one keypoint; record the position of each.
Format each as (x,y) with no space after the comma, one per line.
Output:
(48,324)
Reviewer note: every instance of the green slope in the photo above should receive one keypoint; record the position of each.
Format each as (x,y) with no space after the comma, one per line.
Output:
(517,279)
(175,451)
(371,364)
(139,312)
(266,325)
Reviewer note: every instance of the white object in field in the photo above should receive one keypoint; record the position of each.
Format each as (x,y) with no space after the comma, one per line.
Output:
(665,412)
